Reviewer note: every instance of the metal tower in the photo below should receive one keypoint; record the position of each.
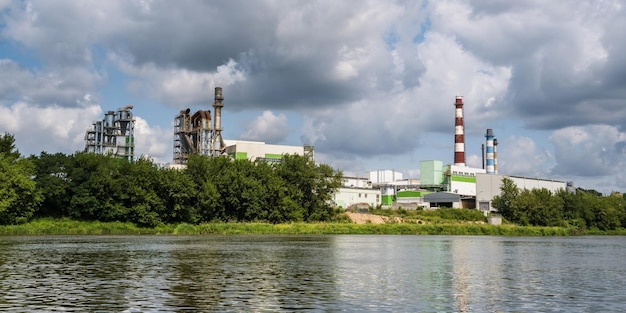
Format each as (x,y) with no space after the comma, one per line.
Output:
(114,135)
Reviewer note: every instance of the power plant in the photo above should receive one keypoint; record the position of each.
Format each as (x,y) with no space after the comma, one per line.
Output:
(440,185)
(459,133)
(114,135)
(195,134)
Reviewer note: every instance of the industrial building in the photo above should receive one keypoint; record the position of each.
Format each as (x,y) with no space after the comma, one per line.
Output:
(114,135)
(357,191)
(260,151)
(197,133)
(488,186)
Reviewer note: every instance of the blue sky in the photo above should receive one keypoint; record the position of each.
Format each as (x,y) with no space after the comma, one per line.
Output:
(371,84)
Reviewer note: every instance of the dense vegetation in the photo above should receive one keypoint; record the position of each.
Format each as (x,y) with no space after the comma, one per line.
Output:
(582,209)
(92,187)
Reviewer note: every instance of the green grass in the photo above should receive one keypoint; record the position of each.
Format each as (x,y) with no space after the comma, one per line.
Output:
(71,227)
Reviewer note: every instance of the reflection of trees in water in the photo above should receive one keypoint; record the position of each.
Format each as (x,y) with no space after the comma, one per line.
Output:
(250,272)
(64,273)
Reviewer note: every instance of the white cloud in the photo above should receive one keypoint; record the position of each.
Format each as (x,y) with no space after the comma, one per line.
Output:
(520,155)
(153,141)
(593,150)
(51,129)
(179,87)
(267,127)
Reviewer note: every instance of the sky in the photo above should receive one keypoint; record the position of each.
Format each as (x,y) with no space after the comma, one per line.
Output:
(371,84)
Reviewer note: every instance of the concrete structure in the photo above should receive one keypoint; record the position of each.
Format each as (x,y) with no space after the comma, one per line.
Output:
(411,197)
(357,191)
(488,186)
(442,199)
(459,133)
(462,179)
(384,176)
(356,182)
(114,135)
(346,197)
(431,173)
(257,150)
(388,194)
(195,134)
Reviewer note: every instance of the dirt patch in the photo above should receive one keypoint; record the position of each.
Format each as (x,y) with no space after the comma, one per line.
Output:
(365,218)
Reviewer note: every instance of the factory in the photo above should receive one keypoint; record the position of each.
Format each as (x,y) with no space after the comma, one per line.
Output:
(453,185)
(440,185)
(114,135)
(200,134)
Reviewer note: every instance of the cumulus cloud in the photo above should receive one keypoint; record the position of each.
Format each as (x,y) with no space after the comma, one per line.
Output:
(520,155)
(593,150)
(179,87)
(369,79)
(563,65)
(60,87)
(51,129)
(267,127)
(151,141)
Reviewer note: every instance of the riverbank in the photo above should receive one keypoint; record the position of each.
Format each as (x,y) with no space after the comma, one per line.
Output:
(71,227)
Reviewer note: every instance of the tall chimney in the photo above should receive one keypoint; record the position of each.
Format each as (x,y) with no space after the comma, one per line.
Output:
(482,152)
(459,135)
(495,156)
(490,155)
(218,141)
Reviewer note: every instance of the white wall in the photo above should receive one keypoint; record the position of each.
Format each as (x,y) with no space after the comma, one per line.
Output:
(345,197)
(258,149)
(384,176)
(357,182)
(488,186)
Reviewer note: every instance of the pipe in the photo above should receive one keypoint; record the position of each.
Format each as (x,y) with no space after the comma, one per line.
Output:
(459,133)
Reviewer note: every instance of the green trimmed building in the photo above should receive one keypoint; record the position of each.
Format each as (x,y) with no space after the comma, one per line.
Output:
(256,150)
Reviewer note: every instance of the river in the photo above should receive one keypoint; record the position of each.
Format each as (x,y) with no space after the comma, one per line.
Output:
(326,273)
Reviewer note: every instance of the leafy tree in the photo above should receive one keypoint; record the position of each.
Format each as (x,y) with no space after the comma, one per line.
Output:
(504,202)
(309,186)
(8,151)
(19,197)
(52,178)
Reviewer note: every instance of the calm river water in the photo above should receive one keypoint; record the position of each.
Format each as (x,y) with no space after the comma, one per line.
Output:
(312,273)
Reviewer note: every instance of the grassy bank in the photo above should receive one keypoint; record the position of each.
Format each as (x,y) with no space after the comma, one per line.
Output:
(70,227)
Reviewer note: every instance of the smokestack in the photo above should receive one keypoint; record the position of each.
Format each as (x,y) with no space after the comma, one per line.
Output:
(490,155)
(482,152)
(459,133)
(218,143)
(495,156)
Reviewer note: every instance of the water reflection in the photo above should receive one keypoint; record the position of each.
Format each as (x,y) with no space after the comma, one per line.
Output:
(312,273)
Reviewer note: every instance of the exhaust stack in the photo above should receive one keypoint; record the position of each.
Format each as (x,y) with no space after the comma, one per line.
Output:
(459,133)
(495,156)
(490,151)
(218,141)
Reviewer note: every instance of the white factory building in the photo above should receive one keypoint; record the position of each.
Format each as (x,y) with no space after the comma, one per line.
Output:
(258,150)
(488,186)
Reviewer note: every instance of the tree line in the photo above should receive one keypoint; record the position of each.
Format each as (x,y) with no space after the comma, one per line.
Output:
(584,209)
(87,186)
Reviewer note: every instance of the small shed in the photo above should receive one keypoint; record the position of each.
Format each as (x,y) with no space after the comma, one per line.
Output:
(443,199)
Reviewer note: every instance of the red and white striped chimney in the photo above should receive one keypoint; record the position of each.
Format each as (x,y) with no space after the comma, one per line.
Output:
(459,133)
